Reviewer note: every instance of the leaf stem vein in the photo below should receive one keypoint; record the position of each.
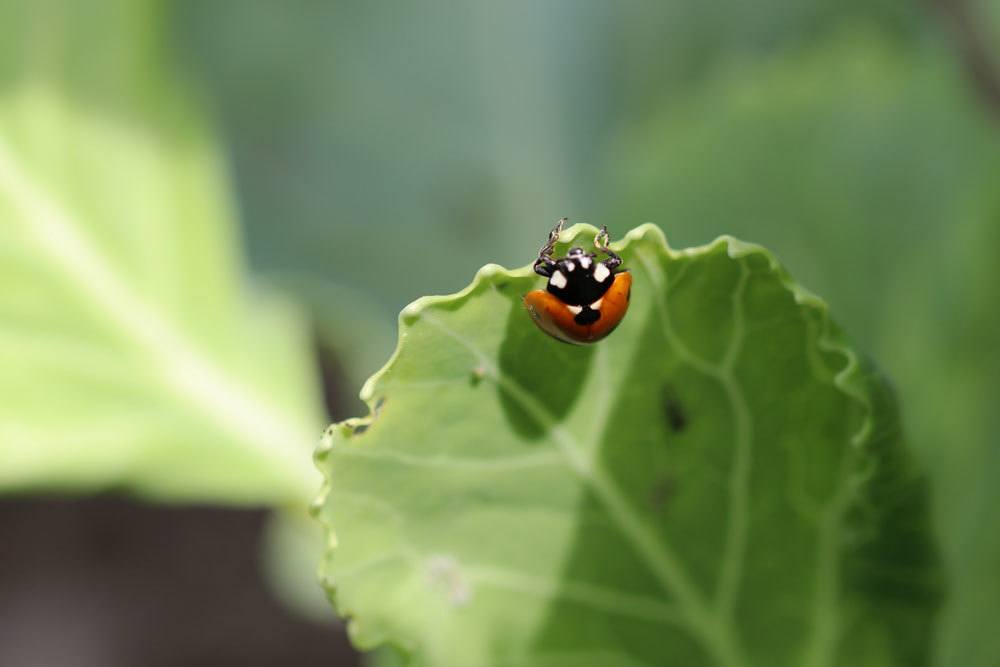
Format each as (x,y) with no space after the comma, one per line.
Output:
(716,637)
(737,529)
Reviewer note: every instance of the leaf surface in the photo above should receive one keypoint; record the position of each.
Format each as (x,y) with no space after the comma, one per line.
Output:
(720,482)
(863,164)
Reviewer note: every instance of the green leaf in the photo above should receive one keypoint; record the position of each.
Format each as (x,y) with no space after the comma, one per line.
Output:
(721,481)
(862,164)
(133,355)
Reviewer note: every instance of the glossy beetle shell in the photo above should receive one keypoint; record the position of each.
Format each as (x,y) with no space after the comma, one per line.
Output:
(553,316)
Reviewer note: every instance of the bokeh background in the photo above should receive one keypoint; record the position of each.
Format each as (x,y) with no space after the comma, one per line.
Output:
(363,154)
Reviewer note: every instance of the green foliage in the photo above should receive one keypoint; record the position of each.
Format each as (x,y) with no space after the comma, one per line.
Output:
(451,130)
(841,134)
(870,171)
(722,481)
(132,356)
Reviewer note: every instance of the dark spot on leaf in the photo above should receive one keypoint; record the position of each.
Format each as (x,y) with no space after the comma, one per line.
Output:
(662,491)
(673,410)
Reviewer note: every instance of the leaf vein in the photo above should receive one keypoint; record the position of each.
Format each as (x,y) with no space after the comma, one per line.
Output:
(655,552)
(737,529)
(498,463)
(583,594)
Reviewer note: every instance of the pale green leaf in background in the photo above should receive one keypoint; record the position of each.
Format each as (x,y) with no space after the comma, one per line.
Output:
(133,355)
(722,481)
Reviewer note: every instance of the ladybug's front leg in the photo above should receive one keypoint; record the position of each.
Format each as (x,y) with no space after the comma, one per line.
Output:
(601,243)
(545,265)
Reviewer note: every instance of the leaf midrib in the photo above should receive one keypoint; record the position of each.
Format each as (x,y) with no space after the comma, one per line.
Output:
(716,637)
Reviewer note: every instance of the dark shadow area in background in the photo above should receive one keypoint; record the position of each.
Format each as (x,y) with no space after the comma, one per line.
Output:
(334,384)
(108,582)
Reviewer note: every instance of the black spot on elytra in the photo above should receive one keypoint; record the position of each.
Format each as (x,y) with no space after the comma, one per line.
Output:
(360,428)
(587,316)
(674,413)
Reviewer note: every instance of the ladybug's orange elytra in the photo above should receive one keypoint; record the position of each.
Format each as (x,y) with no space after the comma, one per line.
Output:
(555,318)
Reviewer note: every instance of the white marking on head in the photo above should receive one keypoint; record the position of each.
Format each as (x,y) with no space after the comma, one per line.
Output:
(601,273)
(574,309)
(570,266)
(585,262)
(597,304)
(558,280)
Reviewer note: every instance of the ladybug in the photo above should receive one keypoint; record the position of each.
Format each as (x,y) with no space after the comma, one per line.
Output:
(584,299)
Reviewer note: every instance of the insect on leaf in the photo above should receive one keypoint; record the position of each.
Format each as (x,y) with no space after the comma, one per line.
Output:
(721,481)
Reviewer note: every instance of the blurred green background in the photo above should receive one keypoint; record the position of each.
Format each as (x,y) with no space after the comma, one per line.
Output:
(328,162)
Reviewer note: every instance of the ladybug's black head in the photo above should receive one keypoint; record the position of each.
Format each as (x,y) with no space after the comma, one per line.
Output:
(579,279)
(589,277)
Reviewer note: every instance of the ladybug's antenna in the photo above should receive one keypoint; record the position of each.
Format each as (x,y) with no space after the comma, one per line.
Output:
(601,243)
(544,264)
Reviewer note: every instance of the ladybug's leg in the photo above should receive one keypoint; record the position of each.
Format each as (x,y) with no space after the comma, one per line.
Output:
(601,243)
(545,265)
